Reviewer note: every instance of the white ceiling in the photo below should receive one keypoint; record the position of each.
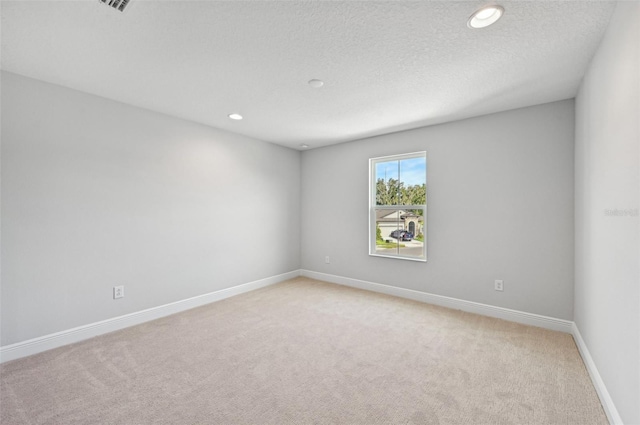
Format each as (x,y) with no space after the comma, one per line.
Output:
(387,65)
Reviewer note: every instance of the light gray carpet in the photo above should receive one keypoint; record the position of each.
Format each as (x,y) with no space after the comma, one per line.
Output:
(304,352)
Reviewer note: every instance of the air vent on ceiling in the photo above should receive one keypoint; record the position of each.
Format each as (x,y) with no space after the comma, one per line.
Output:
(116,4)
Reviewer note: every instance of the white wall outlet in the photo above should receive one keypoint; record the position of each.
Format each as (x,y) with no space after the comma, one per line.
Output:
(326,259)
(118,292)
(499,285)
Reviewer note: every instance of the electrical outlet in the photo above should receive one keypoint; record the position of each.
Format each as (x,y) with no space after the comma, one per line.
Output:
(118,292)
(499,285)
(326,259)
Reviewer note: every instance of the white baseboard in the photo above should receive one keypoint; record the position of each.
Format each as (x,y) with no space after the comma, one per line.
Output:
(454,303)
(598,383)
(70,336)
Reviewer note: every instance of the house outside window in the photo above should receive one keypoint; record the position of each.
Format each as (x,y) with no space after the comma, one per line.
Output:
(398,206)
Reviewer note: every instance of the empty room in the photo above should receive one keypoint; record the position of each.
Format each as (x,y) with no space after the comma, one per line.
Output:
(320,212)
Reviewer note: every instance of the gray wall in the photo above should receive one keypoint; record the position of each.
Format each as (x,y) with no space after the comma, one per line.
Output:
(607,295)
(500,206)
(96,193)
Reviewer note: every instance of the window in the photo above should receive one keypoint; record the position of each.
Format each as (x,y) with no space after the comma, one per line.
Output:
(398,206)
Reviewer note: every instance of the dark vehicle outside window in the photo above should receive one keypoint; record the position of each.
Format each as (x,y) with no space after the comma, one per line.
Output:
(402,235)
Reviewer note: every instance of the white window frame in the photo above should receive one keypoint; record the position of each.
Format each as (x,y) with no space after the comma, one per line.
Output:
(373,207)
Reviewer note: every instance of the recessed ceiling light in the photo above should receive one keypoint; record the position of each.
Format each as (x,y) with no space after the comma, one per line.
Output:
(316,83)
(235,116)
(304,146)
(485,16)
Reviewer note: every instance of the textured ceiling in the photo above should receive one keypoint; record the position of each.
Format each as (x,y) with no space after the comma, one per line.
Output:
(387,65)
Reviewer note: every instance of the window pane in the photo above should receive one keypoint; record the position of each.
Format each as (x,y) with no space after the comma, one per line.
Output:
(387,178)
(387,228)
(413,237)
(412,181)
